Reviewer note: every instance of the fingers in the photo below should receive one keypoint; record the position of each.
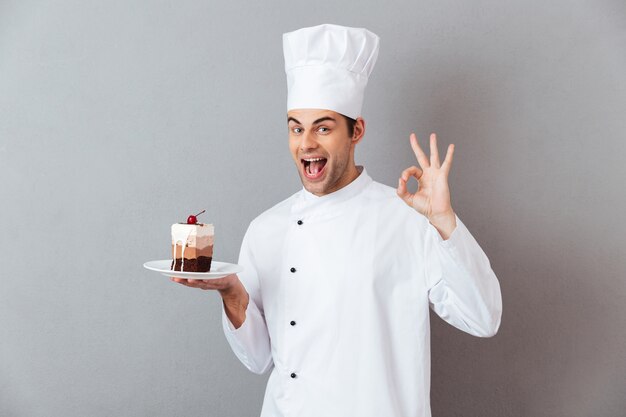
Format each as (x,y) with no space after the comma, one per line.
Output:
(402,191)
(411,172)
(222,283)
(196,283)
(419,153)
(434,152)
(447,163)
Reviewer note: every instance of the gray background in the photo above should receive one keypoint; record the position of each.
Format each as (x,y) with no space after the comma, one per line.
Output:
(119,118)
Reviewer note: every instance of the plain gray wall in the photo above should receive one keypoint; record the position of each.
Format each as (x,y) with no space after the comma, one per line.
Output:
(119,118)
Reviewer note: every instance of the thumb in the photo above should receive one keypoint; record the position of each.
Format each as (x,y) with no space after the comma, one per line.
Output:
(403,192)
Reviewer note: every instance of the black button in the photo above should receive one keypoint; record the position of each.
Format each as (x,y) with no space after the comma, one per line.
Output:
(293,375)
(293,323)
(299,222)
(293,269)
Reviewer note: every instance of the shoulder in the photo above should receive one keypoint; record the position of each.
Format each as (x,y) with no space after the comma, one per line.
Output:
(271,218)
(384,195)
(380,191)
(387,202)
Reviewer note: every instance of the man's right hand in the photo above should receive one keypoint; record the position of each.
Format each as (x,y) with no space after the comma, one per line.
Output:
(234,295)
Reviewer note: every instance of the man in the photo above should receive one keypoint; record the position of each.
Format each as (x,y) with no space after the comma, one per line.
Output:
(340,276)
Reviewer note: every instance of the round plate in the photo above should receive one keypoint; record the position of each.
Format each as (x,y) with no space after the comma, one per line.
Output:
(218,270)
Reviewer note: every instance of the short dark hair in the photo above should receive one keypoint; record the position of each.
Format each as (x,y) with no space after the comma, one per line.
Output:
(351,123)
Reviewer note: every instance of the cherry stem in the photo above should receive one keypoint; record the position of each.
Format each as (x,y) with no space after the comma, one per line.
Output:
(200,213)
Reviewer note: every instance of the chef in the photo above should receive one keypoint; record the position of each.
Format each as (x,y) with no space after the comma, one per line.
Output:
(339,277)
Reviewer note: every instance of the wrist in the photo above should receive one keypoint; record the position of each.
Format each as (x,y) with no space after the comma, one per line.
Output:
(444,223)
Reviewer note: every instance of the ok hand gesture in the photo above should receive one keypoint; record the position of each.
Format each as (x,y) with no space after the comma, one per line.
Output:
(432,198)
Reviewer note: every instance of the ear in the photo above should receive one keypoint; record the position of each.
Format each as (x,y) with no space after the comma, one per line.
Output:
(359,130)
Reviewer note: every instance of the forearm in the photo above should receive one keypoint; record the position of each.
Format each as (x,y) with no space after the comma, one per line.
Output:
(466,292)
(235,299)
(246,331)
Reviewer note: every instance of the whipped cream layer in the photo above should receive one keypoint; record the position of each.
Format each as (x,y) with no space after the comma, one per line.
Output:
(195,235)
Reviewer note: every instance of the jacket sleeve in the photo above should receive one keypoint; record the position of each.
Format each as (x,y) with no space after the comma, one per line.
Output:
(250,342)
(463,289)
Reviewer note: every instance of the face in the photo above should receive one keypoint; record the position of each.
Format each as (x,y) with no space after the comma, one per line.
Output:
(322,149)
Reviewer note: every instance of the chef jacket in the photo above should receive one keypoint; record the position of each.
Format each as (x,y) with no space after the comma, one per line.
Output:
(340,288)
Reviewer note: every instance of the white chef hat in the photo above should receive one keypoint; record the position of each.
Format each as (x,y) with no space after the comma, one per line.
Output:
(328,66)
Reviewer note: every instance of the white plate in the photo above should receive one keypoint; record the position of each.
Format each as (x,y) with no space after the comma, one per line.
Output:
(218,270)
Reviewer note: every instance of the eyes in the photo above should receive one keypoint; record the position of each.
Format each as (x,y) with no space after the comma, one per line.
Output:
(322,129)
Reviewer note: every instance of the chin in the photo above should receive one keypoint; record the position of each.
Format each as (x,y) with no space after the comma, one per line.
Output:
(315,188)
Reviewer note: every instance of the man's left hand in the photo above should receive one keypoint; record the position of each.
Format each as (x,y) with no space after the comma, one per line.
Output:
(432,198)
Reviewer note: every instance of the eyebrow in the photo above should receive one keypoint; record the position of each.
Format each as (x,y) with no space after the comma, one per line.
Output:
(320,120)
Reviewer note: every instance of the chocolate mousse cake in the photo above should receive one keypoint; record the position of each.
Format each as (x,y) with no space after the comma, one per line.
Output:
(192,247)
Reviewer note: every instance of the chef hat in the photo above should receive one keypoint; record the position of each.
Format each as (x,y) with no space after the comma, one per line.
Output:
(327,67)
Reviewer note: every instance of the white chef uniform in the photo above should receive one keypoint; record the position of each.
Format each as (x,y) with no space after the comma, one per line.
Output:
(340,288)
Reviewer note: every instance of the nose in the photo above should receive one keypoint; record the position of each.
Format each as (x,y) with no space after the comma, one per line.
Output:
(308,141)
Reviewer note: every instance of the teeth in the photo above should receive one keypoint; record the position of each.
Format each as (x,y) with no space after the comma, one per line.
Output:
(313,159)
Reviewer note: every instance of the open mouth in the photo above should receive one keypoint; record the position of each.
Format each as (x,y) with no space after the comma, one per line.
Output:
(313,167)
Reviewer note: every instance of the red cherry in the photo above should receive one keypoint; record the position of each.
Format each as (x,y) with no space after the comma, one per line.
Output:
(193,219)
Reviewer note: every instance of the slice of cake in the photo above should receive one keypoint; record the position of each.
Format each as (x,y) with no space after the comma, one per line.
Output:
(192,247)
